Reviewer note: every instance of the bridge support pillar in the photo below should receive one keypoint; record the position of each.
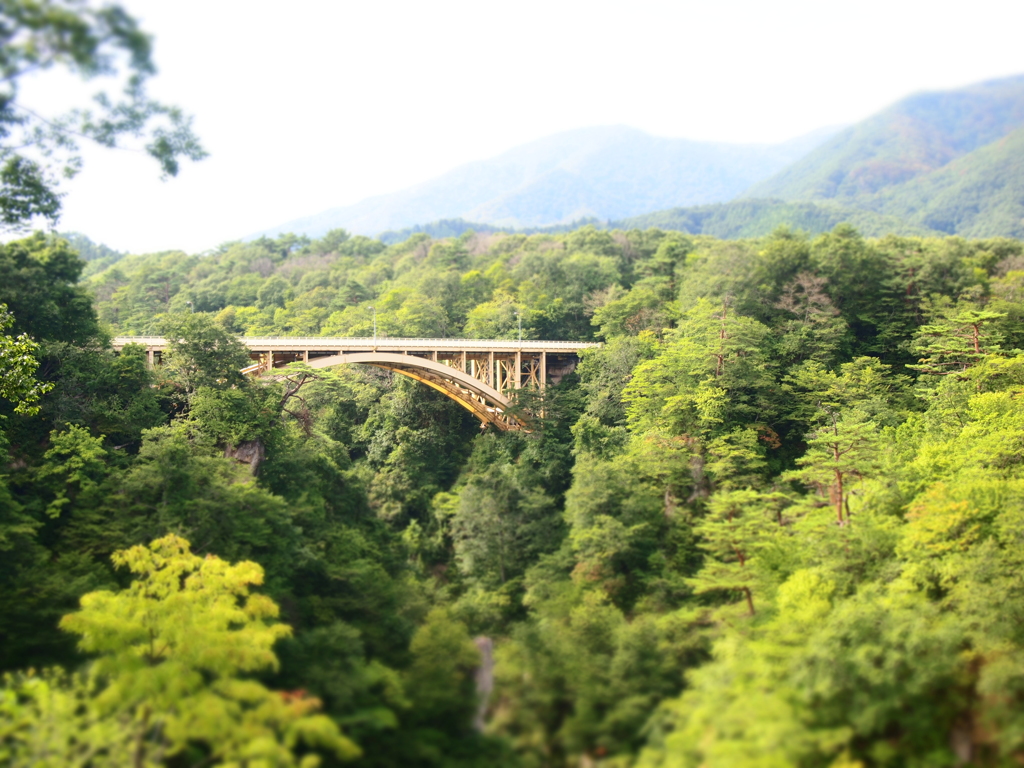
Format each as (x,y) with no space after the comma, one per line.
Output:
(270,360)
(305,355)
(543,369)
(490,370)
(151,358)
(519,369)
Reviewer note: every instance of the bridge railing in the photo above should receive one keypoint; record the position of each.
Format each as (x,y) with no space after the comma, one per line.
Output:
(324,342)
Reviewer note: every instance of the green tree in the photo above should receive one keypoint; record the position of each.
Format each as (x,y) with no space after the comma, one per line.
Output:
(815,330)
(18,365)
(844,449)
(713,370)
(440,677)
(503,521)
(40,287)
(170,679)
(88,42)
(109,393)
(274,292)
(737,524)
(956,341)
(75,466)
(201,353)
(182,485)
(865,383)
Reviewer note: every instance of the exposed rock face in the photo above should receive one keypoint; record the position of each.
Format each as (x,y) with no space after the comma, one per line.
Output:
(249,452)
(484,677)
(560,367)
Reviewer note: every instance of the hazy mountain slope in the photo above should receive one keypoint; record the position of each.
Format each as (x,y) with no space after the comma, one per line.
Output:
(978,195)
(914,137)
(737,219)
(606,172)
(756,218)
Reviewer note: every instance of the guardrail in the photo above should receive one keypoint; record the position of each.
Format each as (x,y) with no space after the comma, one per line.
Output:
(323,342)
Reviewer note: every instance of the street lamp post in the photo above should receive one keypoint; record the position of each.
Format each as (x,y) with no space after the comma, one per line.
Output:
(520,318)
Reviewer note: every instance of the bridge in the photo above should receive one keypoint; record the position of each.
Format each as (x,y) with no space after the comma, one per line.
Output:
(480,375)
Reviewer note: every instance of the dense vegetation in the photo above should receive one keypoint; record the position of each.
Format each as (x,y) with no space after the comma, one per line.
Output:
(776,520)
(756,217)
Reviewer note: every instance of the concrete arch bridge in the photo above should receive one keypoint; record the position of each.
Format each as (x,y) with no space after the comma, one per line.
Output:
(479,375)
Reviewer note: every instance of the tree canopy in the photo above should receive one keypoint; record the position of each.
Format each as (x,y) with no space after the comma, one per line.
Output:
(774,519)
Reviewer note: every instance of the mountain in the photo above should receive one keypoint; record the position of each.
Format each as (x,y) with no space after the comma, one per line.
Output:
(947,162)
(758,217)
(912,138)
(951,162)
(606,172)
(980,194)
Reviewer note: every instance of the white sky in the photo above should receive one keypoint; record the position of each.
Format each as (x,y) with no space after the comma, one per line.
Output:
(313,104)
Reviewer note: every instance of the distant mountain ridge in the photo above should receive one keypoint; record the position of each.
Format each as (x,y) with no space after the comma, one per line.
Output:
(947,162)
(728,221)
(606,172)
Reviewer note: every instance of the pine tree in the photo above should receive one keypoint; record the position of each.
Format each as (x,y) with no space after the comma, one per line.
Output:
(844,449)
(956,341)
(737,522)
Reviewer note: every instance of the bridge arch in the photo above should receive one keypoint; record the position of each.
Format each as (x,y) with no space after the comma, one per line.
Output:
(480,399)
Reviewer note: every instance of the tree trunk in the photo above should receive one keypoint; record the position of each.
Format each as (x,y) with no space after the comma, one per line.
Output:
(750,600)
(839,496)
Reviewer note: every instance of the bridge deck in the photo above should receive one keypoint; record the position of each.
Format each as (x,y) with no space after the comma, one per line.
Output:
(324,344)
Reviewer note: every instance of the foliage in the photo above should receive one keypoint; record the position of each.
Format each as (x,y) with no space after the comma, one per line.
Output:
(172,651)
(17,368)
(91,43)
(751,528)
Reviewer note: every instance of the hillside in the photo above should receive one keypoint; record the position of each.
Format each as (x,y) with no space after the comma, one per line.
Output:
(782,484)
(607,172)
(757,218)
(948,162)
(910,139)
(736,219)
(978,195)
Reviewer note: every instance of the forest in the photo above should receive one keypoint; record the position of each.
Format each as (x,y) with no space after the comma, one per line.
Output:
(776,519)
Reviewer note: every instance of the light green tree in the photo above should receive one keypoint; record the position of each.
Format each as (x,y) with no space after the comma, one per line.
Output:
(173,653)
(18,365)
(74,468)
